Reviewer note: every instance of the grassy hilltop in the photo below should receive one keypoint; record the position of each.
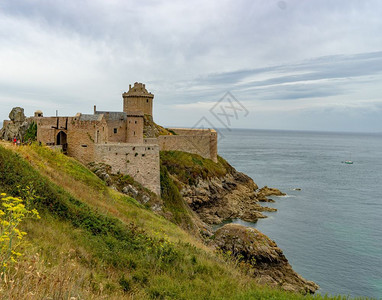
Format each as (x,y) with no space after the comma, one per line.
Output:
(95,243)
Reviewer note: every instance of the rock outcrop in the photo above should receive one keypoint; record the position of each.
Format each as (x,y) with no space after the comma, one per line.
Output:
(265,192)
(221,198)
(267,262)
(126,185)
(16,127)
(216,191)
(153,130)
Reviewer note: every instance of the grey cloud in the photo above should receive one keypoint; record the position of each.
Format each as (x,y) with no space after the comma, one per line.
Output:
(189,51)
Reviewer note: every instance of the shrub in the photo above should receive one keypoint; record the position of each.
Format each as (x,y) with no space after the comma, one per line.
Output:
(12,212)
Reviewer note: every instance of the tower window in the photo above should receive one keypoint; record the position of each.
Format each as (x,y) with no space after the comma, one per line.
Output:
(134,133)
(147,100)
(135,122)
(115,130)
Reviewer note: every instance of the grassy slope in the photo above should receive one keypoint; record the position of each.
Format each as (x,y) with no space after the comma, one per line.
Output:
(93,242)
(188,167)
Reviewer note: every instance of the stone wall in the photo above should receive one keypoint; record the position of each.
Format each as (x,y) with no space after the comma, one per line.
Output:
(135,129)
(80,135)
(198,141)
(139,161)
(116,131)
(138,103)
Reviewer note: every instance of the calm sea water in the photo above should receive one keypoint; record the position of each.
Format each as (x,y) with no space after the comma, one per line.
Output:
(331,230)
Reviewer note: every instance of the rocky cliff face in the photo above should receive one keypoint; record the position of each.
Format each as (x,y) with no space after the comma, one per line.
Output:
(215,191)
(221,198)
(266,261)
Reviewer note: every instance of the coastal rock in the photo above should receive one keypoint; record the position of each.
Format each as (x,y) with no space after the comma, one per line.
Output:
(17,115)
(217,199)
(16,127)
(266,260)
(265,192)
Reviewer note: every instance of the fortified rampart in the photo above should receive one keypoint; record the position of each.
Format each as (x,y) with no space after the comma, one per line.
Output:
(139,161)
(198,141)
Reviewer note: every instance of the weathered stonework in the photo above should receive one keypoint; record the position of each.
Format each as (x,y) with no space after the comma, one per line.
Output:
(138,99)
(197,141)
(139,161)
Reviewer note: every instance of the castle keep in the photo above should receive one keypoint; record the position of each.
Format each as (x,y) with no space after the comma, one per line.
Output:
(127,140)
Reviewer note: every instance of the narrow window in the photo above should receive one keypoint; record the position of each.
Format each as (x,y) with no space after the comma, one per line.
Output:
(115,130)
(135,122)
(147,100)
(134,133)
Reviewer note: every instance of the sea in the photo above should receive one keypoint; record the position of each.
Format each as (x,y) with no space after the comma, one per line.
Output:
(331,229)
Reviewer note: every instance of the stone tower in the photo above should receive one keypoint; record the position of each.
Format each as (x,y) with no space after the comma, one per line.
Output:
(138,99)
(134,133)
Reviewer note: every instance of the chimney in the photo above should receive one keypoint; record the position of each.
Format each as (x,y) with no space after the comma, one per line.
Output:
(95,109)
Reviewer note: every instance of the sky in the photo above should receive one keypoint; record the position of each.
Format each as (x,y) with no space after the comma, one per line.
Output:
(263,64)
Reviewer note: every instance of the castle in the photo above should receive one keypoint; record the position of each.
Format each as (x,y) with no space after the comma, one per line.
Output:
(129,141)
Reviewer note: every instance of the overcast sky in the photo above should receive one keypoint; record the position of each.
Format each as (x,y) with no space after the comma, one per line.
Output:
(293,64)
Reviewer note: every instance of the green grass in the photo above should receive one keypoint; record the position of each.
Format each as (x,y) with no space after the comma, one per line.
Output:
(94,243)
(173,202)
(188,167)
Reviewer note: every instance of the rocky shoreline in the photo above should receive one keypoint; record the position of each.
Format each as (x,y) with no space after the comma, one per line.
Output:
(265,260)
(236,196)
(214,200)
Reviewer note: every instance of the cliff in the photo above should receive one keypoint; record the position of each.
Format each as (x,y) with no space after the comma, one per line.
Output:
(215,191)
(264,260)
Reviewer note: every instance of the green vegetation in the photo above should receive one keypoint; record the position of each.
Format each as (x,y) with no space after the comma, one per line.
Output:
(152,129)
(187,167)
(31,133)
(12,212)
(94,243)
(173,202)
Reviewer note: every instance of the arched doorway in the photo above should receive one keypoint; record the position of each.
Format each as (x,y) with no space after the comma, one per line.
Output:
(61,139)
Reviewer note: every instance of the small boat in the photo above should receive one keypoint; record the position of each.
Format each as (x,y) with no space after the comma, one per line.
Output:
(349,162)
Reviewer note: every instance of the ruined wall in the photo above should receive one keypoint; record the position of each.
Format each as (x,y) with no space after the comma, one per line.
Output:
(139,161)
(198,141)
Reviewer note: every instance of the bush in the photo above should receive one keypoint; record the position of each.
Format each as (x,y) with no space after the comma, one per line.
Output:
(12,212)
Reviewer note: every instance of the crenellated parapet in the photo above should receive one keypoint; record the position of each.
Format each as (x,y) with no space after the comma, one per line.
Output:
(138,99)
